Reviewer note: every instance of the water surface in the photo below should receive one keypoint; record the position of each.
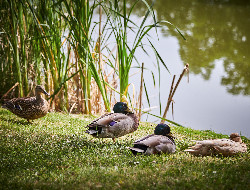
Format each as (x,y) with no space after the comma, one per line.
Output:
(217,48)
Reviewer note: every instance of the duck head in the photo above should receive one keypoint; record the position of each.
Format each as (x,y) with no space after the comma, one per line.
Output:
(40,89)
(235,137)
(121,107)
(162,129)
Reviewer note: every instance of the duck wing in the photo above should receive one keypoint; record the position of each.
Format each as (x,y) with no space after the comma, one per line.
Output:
(111,125)
(19,104)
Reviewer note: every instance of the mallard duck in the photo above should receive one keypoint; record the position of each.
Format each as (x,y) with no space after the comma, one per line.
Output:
(113,125)
(29,107)
(160,142)
(226,147)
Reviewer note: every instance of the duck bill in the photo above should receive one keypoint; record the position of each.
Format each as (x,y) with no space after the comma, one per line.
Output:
(171,135)
(46,93)
(128,110)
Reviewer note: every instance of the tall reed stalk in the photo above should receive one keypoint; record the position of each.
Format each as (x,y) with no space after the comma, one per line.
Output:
(14,42)
(23,48)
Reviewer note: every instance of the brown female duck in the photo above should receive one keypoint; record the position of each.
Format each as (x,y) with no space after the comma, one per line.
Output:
(225,147)
(29,107)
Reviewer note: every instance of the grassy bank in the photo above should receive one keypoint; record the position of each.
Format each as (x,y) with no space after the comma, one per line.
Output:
(54,153)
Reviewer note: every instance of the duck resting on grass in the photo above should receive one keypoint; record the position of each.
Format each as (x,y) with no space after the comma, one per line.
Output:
(160,142)
(225,147)
(29,107)
(113,125)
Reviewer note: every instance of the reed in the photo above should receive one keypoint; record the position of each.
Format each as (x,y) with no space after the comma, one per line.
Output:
(79,19)
(121,24)
(173,89)
(55,43)
(23,48)
(14,43)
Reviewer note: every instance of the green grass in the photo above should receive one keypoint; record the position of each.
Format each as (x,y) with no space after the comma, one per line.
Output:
(54,153)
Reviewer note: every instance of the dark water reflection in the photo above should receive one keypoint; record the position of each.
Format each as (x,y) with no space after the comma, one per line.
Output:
(217,32)
(214,30)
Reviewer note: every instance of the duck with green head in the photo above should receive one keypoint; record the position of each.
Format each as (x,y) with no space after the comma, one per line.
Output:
(113,125)
(160,142)
(29,107)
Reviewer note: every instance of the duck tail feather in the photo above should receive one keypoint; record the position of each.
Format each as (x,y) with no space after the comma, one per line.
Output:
(135,151)
(91,132)
(8,105)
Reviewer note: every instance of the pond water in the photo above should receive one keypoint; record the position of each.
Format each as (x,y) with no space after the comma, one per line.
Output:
(217,48)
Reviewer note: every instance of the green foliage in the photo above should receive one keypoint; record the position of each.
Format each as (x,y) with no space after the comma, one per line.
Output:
(55,43)
(78,16)
(54,153)
(119,17)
